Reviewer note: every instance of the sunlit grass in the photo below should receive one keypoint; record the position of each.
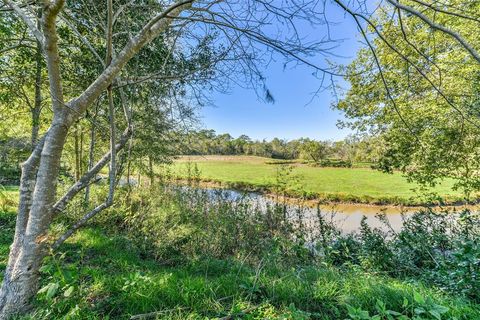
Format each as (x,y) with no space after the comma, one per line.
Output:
(348,184)
(112,280)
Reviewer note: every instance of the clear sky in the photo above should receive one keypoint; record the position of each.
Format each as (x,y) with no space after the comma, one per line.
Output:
(296,112)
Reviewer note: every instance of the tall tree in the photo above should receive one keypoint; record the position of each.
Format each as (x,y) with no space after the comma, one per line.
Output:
(116,40)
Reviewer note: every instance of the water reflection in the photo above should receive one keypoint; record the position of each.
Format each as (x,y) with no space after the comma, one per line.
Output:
(347,217)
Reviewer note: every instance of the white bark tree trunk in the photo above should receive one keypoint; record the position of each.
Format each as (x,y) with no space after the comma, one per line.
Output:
(20,283)
(37,205)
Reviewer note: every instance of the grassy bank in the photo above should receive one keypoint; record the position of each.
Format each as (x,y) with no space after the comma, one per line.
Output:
(106,276)
(359,185)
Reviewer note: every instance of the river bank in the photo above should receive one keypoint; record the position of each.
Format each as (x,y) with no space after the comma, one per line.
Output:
(346,217)
(320,184)
(313,199)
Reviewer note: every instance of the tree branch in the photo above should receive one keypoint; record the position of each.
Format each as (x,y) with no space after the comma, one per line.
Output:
(438,27)
(52,54)
(30,24)
(151,30)
(380,70)
(84,181)
(80,223)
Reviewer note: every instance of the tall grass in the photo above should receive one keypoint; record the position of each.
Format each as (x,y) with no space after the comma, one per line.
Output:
(187,253)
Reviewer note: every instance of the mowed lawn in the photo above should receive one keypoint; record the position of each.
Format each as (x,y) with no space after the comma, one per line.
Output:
(343,182)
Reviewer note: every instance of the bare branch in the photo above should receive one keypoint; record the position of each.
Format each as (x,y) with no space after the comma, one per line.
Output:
(451,13)
(80,223)
(83,39)
(380,70)
(411,63)
(158,24)
(84,181)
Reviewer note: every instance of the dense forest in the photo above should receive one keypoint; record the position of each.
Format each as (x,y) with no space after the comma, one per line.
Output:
(352,149)
(97,97)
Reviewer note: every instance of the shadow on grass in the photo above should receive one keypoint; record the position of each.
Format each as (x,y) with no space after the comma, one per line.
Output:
(113,280)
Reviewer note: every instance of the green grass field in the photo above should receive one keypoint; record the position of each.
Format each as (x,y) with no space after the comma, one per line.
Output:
(103,274)
(106,276)
(361,185)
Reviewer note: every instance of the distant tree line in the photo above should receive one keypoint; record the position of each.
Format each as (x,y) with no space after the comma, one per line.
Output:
(353,149)
(350,149)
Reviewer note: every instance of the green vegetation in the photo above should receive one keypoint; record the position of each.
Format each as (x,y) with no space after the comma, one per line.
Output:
(346,151)
(95,101)
(361,185)
(195,271)
(421,100)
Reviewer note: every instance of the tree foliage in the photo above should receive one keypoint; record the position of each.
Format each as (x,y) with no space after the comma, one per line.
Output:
(356,148)
(417,88)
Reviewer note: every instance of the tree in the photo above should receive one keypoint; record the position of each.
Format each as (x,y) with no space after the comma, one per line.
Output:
(241,30)
(314,150)
(415,86)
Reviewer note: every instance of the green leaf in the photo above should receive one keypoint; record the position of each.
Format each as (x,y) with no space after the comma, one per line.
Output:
(69,291)
(50,289)
(394,313)
(435,314)
(45,268)
(440,309)
(44,289)
(419,311)
(380,306)
(418,298)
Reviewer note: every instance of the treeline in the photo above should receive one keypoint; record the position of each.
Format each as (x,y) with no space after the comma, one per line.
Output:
(350,149)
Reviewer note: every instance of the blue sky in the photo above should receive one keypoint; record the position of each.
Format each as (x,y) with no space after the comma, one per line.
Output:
(294,114)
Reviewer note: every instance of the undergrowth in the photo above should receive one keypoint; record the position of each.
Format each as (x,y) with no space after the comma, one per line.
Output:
(187,253)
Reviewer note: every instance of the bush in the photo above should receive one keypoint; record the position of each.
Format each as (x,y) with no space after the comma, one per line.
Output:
(439,248)
(178,224)
(335,163)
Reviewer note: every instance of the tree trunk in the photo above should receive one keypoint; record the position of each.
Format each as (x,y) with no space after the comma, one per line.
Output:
(129,171)
(81,152)
(40,173)
(20,283)
(77,153)
(35,112)
(90,156)
(150,171)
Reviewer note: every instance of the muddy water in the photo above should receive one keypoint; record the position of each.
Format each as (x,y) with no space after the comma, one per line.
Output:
(347,217)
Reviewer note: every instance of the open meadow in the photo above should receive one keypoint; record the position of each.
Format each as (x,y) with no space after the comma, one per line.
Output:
(358,184)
